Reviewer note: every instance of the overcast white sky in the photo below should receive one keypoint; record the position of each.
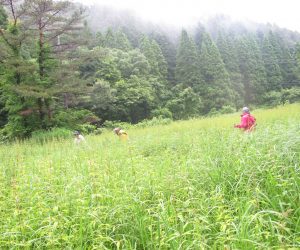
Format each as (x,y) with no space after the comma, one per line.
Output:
(285,13)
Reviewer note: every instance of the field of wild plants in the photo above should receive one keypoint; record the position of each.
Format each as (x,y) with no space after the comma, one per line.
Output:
(195,184)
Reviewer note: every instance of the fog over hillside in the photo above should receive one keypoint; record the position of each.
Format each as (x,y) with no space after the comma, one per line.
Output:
(101,17)
(184,12)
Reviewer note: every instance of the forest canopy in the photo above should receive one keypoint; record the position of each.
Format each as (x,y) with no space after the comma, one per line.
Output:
(63,65)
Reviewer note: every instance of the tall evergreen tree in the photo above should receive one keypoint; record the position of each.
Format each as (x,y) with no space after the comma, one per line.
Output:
(273,73)
(168,50)
(217,90)
(99,39)
(297,71)
(161,61)
(17,72)
(3,113)
(252,69)
(229,56)
(286,61)
(133,35)
(122,41)
(185,102)
(200,30)
(3,17)
(87,36)
(28,79)
(187,63)
(53,31)
(150,50)
(109,40)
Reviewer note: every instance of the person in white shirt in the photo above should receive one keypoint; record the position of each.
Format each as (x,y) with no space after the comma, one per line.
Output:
(78,137)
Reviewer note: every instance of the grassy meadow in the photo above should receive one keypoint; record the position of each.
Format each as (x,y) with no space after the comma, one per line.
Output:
(197,184)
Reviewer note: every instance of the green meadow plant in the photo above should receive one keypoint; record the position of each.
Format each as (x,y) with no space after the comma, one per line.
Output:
(197,184)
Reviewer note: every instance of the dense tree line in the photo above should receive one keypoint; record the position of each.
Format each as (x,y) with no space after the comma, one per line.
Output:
(57,71)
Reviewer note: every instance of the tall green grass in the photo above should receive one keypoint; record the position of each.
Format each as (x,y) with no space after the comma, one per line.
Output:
(195,184)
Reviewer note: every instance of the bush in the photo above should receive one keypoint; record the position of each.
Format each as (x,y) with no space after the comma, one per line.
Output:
(99,131)
(290,95)
(213,112)
(75,119)
(153,122)
(87,128)
(116,124)
(162,113)
(227,109)
(272,98)
(42,136)
(3,136)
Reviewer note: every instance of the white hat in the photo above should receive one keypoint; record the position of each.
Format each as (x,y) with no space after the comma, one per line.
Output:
(246,110)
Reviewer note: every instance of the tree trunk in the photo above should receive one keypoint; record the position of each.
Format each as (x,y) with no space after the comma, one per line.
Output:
(66,100)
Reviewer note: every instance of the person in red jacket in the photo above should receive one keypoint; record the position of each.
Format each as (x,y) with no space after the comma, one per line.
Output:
(248,122)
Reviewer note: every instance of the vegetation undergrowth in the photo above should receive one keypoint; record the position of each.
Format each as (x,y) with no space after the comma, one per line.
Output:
(194,184)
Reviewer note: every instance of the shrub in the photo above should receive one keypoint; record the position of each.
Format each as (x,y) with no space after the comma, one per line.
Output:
(153,122)
(272,98)
(213,112)
(116,124)
(290,95)
(87,128)
(227,109)
(99,131)
(74,119)
(42,136)
(162,113)
(3,136)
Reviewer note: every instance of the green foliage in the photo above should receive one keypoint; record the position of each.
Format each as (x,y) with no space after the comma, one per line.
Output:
(161,61)
(217,90)
(252,69)
(185,103)
(116,124)
(4,138)
(273,98)
(74,119)
(162,113)
(99,40)
(3,18)
(291,95)
(131,63)
(274,77)
(286,60)
(55,134)
(196,184)
(109,40)
(52,63)
(134,99)
(122,41)
(102,96)
(155,121)
(99,131)
(168,50)
(187,62)
(28,82)
(228,52)
(87,128)
(227,109)
(107,71)
(150,50)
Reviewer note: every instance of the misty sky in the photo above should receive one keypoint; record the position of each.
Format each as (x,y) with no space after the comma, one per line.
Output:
(284,13)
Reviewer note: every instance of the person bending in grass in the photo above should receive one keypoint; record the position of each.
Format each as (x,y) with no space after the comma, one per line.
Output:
(78,137)
(123,136)
(248,122)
